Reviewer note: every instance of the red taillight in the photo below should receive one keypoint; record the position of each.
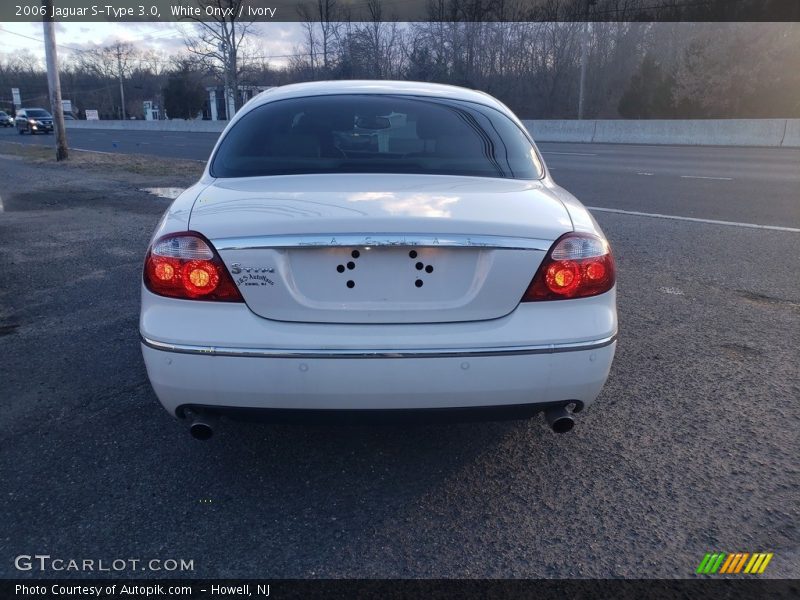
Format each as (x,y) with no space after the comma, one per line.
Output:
(185,265)
(578,265)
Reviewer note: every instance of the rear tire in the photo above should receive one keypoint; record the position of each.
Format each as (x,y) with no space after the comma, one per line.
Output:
(20,130)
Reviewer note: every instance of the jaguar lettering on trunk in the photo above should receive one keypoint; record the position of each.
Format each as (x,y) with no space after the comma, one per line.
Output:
(237,268)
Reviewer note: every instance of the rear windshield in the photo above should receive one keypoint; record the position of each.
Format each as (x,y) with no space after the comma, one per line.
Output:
(375,134)
(37,112)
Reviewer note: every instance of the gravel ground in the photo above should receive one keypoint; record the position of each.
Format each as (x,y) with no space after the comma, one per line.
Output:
(692,447)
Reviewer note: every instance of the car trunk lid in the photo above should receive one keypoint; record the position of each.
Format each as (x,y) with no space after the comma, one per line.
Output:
(380,248)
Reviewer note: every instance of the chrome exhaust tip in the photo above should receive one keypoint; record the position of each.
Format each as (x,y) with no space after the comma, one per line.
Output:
(201,431)
(201,425)
(559,419)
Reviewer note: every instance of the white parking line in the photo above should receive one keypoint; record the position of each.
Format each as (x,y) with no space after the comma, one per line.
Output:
(671,290)
(693,219)
(94,151)
(703,177)
(648,174)
(569,153)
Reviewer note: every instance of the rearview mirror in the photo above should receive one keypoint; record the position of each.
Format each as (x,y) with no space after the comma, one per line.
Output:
(373,123)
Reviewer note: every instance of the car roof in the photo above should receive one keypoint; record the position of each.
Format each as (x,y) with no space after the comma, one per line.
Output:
(408,88)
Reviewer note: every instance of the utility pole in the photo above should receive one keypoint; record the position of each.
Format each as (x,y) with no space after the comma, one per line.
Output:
(54,81)
(584,57)
(230,102)
(121,87)
(231,57)
(222,48)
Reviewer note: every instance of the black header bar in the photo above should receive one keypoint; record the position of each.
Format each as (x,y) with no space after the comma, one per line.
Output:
(74,11)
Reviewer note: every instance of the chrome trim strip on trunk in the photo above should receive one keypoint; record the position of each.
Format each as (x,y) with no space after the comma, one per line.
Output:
(362,240)
(378,353)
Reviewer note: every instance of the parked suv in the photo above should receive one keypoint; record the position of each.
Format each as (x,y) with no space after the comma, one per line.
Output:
(34,120)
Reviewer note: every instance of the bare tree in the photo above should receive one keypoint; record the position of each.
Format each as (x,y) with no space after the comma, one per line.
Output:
(741,69)
(322,22)
(220,44)
(114,61)
(374,38)
(531,61)
(154,61)
(22,61)
(380,43)
(309,25)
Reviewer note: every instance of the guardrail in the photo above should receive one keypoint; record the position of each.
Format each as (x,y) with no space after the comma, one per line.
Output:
(698,132)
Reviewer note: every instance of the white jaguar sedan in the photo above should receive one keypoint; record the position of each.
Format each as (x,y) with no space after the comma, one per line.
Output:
(382,248)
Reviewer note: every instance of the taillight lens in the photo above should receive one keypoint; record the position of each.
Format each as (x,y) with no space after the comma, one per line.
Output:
(185,265)
(578,265)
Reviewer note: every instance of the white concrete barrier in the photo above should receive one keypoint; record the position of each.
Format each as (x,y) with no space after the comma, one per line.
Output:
(173,125)
(561,131)
(698,132)
(705,132)
(791,136)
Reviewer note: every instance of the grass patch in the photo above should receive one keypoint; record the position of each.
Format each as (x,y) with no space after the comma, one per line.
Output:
(139,164)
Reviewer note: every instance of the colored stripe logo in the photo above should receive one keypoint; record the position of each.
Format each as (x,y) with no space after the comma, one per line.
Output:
(734,563)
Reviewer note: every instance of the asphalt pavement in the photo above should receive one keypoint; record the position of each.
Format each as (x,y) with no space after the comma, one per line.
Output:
(691,448)
(166,144)
(752,185)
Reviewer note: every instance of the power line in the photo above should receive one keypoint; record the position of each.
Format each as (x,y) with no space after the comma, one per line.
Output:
(295,55)
(634,9)
(83,50)
(41,41)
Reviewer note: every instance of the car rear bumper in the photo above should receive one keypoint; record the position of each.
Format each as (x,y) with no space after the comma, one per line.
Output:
(370,380)
(395,416)
(222,355)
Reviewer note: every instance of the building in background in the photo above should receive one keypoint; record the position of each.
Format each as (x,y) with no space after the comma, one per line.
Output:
(152,111)
(215,108)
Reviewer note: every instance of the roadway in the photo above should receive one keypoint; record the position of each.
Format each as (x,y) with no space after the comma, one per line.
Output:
(747,185)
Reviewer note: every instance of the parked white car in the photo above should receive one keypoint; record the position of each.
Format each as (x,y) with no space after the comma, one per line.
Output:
(378,247)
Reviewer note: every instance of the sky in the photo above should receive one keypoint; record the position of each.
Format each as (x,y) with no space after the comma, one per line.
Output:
(276,39)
